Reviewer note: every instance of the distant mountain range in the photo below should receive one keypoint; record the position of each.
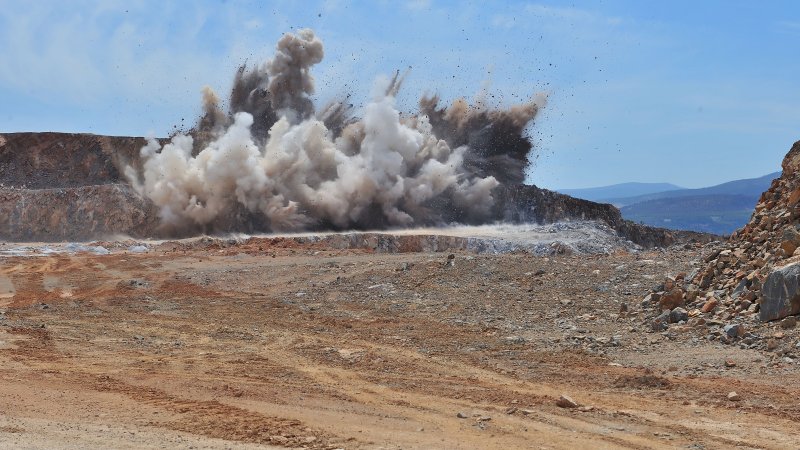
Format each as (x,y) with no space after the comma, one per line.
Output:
(719,209)
(604,193)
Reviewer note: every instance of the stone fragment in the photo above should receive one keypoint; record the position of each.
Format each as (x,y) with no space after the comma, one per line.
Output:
(744,305)
(788,247)
(794,197)
(566,402)
(451,260)
(709,305)
(740,288)
(661,322)
(678,314)
(672,299)
(733,396)
(706,279)
(734,330)
(789,322)
(790,240)
(781,293)
(691,293)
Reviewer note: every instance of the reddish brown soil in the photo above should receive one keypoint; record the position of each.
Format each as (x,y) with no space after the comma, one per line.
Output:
(296,346)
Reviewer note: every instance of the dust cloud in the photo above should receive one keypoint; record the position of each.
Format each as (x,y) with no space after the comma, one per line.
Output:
(289,167)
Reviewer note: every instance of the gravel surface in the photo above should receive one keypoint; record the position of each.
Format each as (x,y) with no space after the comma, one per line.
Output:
(280,341)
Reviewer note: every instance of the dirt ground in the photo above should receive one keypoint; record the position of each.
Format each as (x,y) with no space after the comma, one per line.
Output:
(274,344)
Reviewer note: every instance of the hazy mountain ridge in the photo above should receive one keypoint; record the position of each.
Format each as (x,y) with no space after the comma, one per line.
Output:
(600,194)
(718,214)
(750,187)
(719,209)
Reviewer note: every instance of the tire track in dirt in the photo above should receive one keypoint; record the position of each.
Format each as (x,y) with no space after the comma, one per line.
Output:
(218,420)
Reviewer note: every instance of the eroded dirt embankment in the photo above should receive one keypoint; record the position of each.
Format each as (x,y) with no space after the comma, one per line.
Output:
(61,186)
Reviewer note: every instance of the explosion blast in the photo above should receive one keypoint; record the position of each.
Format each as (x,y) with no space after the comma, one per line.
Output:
(294,168)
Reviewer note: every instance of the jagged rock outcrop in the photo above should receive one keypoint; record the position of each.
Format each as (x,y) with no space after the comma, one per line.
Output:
(63,186)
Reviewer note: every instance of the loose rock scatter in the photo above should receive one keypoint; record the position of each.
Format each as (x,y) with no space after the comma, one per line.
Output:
(275,341)
(742,290)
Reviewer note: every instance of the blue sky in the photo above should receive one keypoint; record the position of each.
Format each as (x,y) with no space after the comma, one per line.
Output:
(692,93)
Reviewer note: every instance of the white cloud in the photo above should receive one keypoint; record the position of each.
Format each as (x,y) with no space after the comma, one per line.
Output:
(788,27)
(570,14)
(504,21)
(418,4)
(81,56)
(331,5)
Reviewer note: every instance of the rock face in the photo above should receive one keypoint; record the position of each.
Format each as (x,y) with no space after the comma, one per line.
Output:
(81,213)
(61,186)
(781,293)
(65,160)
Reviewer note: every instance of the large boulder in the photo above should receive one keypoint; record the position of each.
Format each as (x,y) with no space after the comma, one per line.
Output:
(781,293)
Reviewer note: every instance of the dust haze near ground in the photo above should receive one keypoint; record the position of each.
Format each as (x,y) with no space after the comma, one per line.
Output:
(297,169)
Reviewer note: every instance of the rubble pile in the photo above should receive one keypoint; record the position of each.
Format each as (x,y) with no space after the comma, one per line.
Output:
(752,278)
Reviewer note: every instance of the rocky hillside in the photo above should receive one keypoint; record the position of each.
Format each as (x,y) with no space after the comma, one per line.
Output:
(758,270)
(59,186)
(752,277)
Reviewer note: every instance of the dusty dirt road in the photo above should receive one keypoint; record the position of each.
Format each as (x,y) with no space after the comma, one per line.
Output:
(277,344)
